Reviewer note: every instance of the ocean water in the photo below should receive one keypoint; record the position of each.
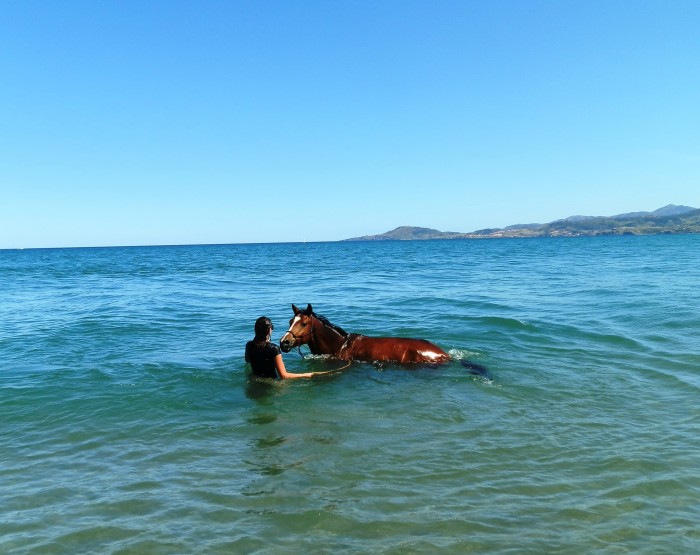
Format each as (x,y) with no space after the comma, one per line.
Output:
(129,423)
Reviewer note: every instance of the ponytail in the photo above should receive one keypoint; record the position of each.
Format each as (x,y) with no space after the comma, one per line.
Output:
(263,327)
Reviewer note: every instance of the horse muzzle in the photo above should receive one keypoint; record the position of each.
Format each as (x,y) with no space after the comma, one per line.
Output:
(286,344)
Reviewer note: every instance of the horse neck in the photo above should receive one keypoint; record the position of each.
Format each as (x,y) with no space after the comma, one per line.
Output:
(326,340)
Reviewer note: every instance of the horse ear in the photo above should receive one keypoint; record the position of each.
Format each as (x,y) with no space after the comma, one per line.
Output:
(295,309)
(309,309)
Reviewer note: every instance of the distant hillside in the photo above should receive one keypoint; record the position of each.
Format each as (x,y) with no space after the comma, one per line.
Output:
(408,233)
(669,219)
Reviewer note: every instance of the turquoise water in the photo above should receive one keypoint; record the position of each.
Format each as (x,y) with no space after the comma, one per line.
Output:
(128,423)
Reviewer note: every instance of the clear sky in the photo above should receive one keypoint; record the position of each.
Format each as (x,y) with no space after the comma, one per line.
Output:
(175,122)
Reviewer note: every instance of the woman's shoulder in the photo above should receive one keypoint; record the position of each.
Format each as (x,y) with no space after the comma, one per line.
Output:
(268,348)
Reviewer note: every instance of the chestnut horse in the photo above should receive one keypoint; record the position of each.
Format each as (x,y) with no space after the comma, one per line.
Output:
(324,338)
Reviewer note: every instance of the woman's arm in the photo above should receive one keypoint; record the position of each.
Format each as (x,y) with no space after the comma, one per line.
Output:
(282,371)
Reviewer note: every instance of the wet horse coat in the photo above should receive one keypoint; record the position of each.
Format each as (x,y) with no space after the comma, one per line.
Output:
(325,338)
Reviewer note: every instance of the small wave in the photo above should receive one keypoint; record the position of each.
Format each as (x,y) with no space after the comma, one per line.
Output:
(462,354)
(311,356)
(510,323)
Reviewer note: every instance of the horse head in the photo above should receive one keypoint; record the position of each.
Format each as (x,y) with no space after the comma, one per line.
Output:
(301,329)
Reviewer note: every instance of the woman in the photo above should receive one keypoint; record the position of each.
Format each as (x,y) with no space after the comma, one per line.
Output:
(265,358)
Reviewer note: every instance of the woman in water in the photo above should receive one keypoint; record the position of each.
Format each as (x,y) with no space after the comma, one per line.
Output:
(265,358)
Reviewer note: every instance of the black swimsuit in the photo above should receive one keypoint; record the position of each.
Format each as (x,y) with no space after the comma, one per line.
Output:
(262,359)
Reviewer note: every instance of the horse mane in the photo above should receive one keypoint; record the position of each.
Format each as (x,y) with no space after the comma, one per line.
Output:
(326,322)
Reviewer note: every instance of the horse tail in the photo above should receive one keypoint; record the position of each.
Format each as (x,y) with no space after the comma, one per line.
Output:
(476,369)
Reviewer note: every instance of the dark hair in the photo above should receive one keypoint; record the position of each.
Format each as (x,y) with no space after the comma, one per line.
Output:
(263,327)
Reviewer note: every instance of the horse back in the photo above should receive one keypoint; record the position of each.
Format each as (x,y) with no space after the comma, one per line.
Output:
(395,349)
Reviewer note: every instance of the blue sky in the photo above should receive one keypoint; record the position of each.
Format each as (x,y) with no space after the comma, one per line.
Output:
(166,122)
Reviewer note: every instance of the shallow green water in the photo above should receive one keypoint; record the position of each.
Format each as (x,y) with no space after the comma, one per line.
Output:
(129,425)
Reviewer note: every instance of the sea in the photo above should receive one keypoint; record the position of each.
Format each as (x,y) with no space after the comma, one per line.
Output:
(130,424)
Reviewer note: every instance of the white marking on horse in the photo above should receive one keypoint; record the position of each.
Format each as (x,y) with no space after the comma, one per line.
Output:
(294,322)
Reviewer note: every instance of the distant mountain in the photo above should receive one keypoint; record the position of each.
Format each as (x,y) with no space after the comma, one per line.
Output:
(407,233)
(669,219)
(668,210)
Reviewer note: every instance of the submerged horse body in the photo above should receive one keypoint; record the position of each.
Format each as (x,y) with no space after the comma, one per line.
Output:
(325,338)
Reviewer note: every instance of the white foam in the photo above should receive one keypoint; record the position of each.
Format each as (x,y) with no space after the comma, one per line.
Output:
(461,354)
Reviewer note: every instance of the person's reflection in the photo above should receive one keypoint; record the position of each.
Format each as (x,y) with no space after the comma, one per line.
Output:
(264,459)
(260,390)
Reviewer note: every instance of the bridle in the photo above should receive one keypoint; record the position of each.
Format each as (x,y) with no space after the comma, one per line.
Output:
(311,333)
(297,338)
